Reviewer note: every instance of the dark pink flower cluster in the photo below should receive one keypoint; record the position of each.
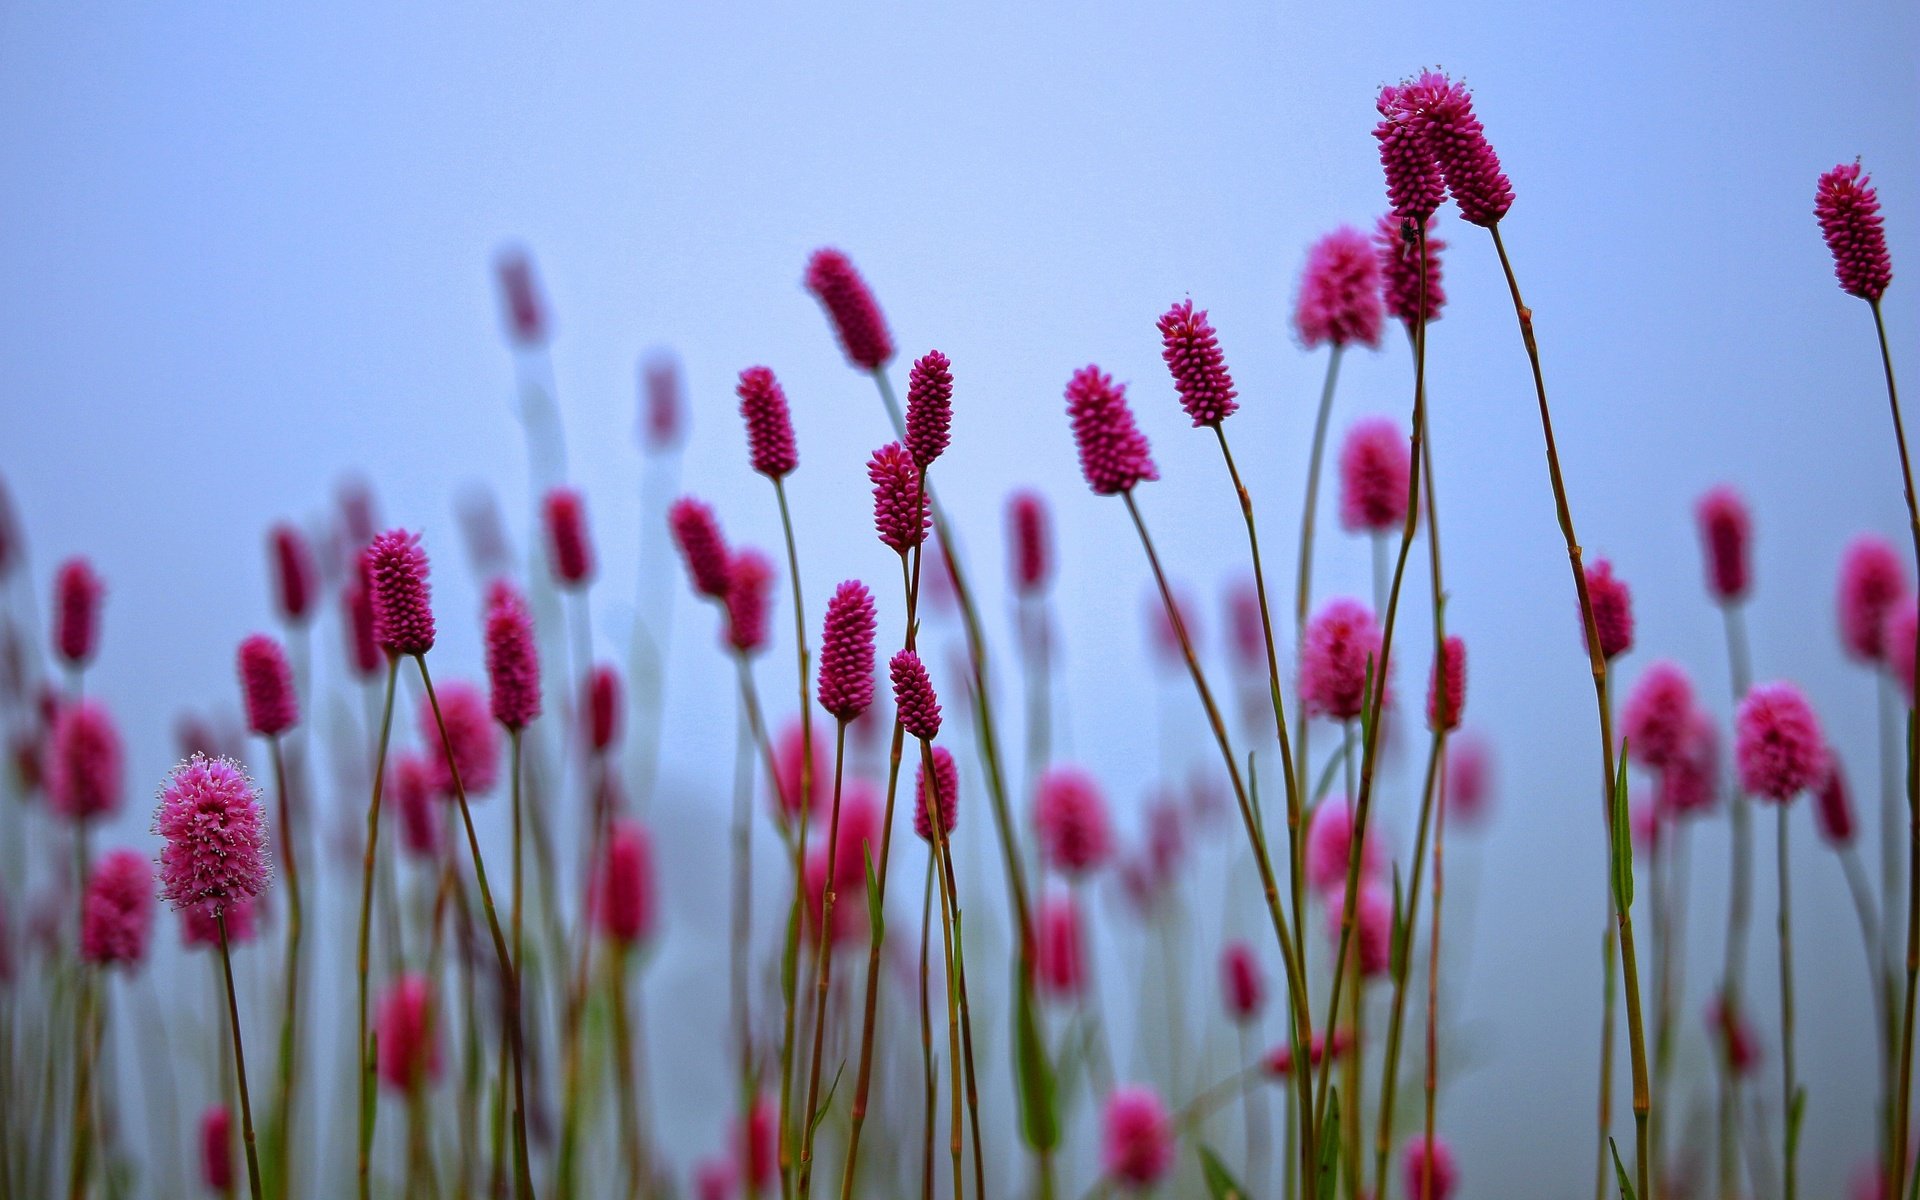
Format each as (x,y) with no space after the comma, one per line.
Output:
(929,407)
(1833,807)
(1655,719)
(602,707)
(946,794)
(569,547)
(415,796)
(1443,112)
(409,1047)
(1612,610)
(1241,984)
(216,836)
(1330,847)
(266,682)
(1726,533)
(749,588)
(1340,292)
(763,405)
(513,658)
(1191,351)
(899,500)
(850,305)
(1375,464)
(697,533)
(1414,186)
(1429,1168)
(293,573)
(356,606)
(526,313)
(1114,455)
(76,611)
(845,684)
(402,596)
(790,755)
(1031,541)
(1138,1146)
(1873,582)
(1848,209)
(472,743)
(84,762)
(1341,641)
(118,913)
(1060,962)
(1779,748)
(1070,815)
(913,696)
(664,403)
(624,892)
(1445,713)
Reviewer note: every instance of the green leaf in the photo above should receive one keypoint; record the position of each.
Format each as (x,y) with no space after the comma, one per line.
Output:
(1221,1185)
(1622,838)
(1620,1173)
(826,1103)
(1795,1111)
(1397,954)
(1329,1165)
(1039,1114)
(876,915)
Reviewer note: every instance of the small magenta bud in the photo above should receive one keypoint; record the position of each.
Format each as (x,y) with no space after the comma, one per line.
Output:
(1191,350)
(850,305)
(513,658)
(697,533)
(266,682)
(603,708)
(929,407)
(1030,534)
(1726,533)
(402,595)
(913,696)
(1242,985)
(946,795)
(1452,664)
(293,573)
(1848,209)
(763,405)
(749,584)
(569,546)
(76,612)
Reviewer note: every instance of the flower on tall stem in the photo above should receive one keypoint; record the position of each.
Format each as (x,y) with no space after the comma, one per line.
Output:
(77,592)
(1342,646)
(624,904)
(522,305)
(1192,353)
(266,684)
(748,600)
(84,758)
(1374,464)
(850,306)
(293,573)
(945,791)
(1401,267)
(402,597)
(1030,539)
(929,407)
(1060,964)
(1070,817)
(1137,1146)
(1612,610)
(603,707)
(1339,301)
(409,1056)
(663,403)
(1243,989)
(899,498)
(1726,533)
(1429,1169)
(702,547)
(569,545)
(473,740)
(1779,748)
(1114,455)
(1656,717)
(1447,686)
(118,912)
(1872,583)
(513,659)
(763,406)
(1848,209)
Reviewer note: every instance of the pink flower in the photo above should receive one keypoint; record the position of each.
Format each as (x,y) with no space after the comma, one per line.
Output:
(292,573)
(663,405)
(1833,808)
(1279,1060)
(1737,1038)
(1245,629)
(1414,186)
(789,754)
(946,794)
(199,925)
(1032,542)
(1444,115)
(1070,815)
(472,739)
(414,794)
(402,597)
(1779,748)
(1241,983)
(1138,1146)
(1848,208)
(266,683)
(845,685)
(1469,779)
(859,835)
(850,305)
(216,837)
(1726,532)
(118,913)
(513,658)
(625,889)
(363,649)
(1114,455)
(913,696)
(1400,271)
(1191,351)
(216,1150)
(750,582)
(703,548)
(526,312)
(899,499)
(1060,964)
(929,407)
(1872,583)
(84,762)
(1330,846)
(569,546)
(1897,639)
(1425,1163)
(1340,292)
(76,611)
(1655,717)
(1612,610)
(1341,641)
(1446,715)
(1691,778)
(755,1144)
(763,405)
(1374,463)
(409,1046)
(603,709)
(1372,927)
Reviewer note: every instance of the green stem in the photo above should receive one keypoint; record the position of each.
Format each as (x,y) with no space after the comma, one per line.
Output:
(239,1059)
(806,792)
(363,1047)
(280,1136)
(823,964)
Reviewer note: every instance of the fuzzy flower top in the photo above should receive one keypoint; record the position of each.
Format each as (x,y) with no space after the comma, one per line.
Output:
(1114,455)
(1070,815)
(845,685)
(1690,780)
(899,500)
(946,794)
(1372,936)
(1031,542)
(1444,113)
(1375,462)
(76,611)
(266,683)
(1340,292)
(929,407)
(1191,351)
(1341,640)
(216,836)
(1848,209)
(913,696)
(1778,746)
(513,658)
(1414,186)
(1872,584)
(402,597)
(1726,534)
(1400,281)
(763,405)
(83,770)
(850,305)
(569,546)
(1060,964)
(118,915)
(791,752)
(1137,1149)
(292,573)
(1655,719)
(697,533)
(749,588)
(1612,610)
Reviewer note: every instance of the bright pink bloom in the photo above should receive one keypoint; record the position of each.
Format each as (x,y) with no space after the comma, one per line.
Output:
(216,1150)
(754,1145)
(1414,186)
(946,794)
(1372,927)
(513,658)
(789,754)
(409,1045)
(1655,717)
(118,914)
(929,407)
(472,739)
(1444,114)
(1060,964)
(84,762)
(1374,463)
(845,685)
(763,405)
(363,649)
(1469,779)
(1242,985)
(625,890)
(1330,846)
(200,926)
(899,499)
(1612,610)
(1341,641)
(402,596)
(1690,781)
(1848,208)
(1032,541)
(1138,1146)
(569,545)
(1191,350)
(859,834)
(216,836)
(1114,455)
(1340,292)
(1446,714)
(663,417)
(850,305)
(266,683)
(697,533)
(1428,1168)
(913,696)
(1400,271)
(76,611)
(1872,583)
(1833,807)
(415,796)
(292,573)
(1902,628)
(1778,748)
(1070,815)
(1726,532)
(749,584)
(603,708)
(526,312)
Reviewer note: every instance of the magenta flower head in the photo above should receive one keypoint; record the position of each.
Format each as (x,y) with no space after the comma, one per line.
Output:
(1444,113)
(569,546)
(859,834)
(1114,455)
(929,407)
(1060,962)
(409,1049)
(763,405)
(118,915)
(292,573)
(749,587)
(1469,779)
(1903,627)
(1138,1147)
(200,926)
(1330,846)
(415,784)
(1833,807)
(899,500)
(266,682)
(1444,705)
(754,1144)
(913,696)
(1612,610)
(1191,350)
(1726,533)
(845,685)
(1340,292)
(356,611)
(663,401)
(601,704)
(1872,583)
(1375,461)
(1778,746)
(850,305)
(402,596)
(216,836)
(76,611)
(1341,640)
(1400,272)
(1372,927)
(1849,212)
(1070,815)
(513,658)
(946,795)
(1655,719)
(625,890)
(1031,537)
(216,1150)
(525,310)
(472,741)
(84,762)
(1414,186)
(1242,985)
(1690,780)
(789,754)
(1429,1168)
(697,533)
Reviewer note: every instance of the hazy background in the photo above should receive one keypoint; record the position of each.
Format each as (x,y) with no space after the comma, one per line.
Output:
(245,252)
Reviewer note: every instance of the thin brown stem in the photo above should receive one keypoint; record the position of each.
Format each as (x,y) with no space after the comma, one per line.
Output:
(1390,1068)
(1739,907)
(239,1058)
(806,791)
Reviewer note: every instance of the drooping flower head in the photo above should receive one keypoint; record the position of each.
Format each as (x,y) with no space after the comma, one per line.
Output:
(845,685)
(409,1044)
(1690,779)
(1114,455)
(790,752)
(472,739)
(118,913)
(899,499)
(1030,535)
(946,794)
(569,545)
(1444,114)
(1070,815)
(513,658)
(662,401)
(1330,846)
(913,696)
(1339,292)
(1655,717)
(1137,1150)
(1779,748)
(84,762)
(1242,987)
(624,893)
(216,1150)
(1375,461)
(1872,583)
(1060,961)
(1726,533)
(763,405)
(76,611)
(697,532)
(1612,610)
(1400,272)
(1833,807)
(749,588)
(216,836)
(1429,1168)
(1446,703)
(266,683)
(402,596)
(520,299)
(603,708)
(292,573)
(1414,186)
(850,305)
(1848,208)
(1191,351)
(1341,640)
(929,407)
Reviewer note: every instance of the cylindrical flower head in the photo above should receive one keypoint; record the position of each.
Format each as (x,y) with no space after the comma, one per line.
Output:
(749,587)
(356,611)
(1114,455)
(216,1150)
(704,549)
(1872,583)
(1445,704)
(1372,928)
(1469,779)
(472,739)
(946,795)
(1849,212)
(625,891)
(1903,626)
(845,684)
(402,596)
(1778,745)
(569,546)
(1726,533)
(266,683)
(899,501)
(663,402)
(409,1044)
(1690,780)
(763,405)
(929,407)
(1833,807)
(1341,640)
(1137,1150)
(1060,965)
(84,762)
(1375,461)
(292,573)
(1429,1169)
(789,755)
(1070,815)
(1030,535)
(1242,986)
(118,914)
(850,305)
(1330,846)
(513,658)
(1612,610)
(415,787)
(913,696)
(1400,272)
(754,1145)
(1414,186)
(1655,718)
(602,704)
(525,311)
(1459,144)
(76,612)
(1339,292)
(1191,351)
(200,925)
(216,836)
